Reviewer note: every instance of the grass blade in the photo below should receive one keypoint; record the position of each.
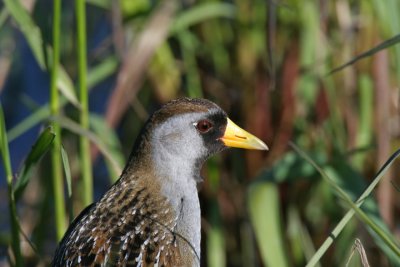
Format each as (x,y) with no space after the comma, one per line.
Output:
(41,146)
(384,45)
(361,251)
(28,28)
(110,139)
(3,16)
(67,170)
(95,76)
(66,86)
(263,203)
(77,129)
(68,179)
(5,155)
(34,38)
(201,12)
(355,208)
(103,70)
(215,238)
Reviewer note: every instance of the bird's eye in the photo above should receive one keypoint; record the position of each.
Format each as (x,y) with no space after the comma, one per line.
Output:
(203,126)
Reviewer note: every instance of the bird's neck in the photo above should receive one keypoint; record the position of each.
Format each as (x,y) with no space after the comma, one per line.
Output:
(177,178)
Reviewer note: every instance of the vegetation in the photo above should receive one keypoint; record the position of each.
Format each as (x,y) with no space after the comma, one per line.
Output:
(318,81)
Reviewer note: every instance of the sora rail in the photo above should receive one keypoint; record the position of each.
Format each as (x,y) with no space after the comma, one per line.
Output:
(151,215)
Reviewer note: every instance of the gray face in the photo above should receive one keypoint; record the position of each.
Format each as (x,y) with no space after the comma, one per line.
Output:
(179,144)
(179,137)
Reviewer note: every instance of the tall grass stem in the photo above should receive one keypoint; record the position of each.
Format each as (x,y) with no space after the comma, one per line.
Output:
(58,185)
(87,195)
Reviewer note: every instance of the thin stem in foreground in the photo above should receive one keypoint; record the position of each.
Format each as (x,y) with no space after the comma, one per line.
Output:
(83,97)
(58,186)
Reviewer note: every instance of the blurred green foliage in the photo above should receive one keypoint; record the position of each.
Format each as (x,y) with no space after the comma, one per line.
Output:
(268,64)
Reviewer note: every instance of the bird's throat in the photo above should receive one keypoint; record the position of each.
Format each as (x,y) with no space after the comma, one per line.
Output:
(178,179)
(185,202)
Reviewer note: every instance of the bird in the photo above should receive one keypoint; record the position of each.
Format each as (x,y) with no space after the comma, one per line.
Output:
(151,215)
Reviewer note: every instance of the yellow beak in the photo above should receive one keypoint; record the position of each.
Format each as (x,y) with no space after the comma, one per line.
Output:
(237,137)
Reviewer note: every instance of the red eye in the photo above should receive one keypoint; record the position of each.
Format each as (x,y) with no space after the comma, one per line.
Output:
(204,126)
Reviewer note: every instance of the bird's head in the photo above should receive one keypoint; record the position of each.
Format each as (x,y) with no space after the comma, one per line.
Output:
(191,130)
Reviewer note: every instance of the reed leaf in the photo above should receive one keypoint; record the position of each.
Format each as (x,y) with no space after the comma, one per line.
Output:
(384,45)
(5,155)
(39,149)
(263,204)
(355,208)
(201,12)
